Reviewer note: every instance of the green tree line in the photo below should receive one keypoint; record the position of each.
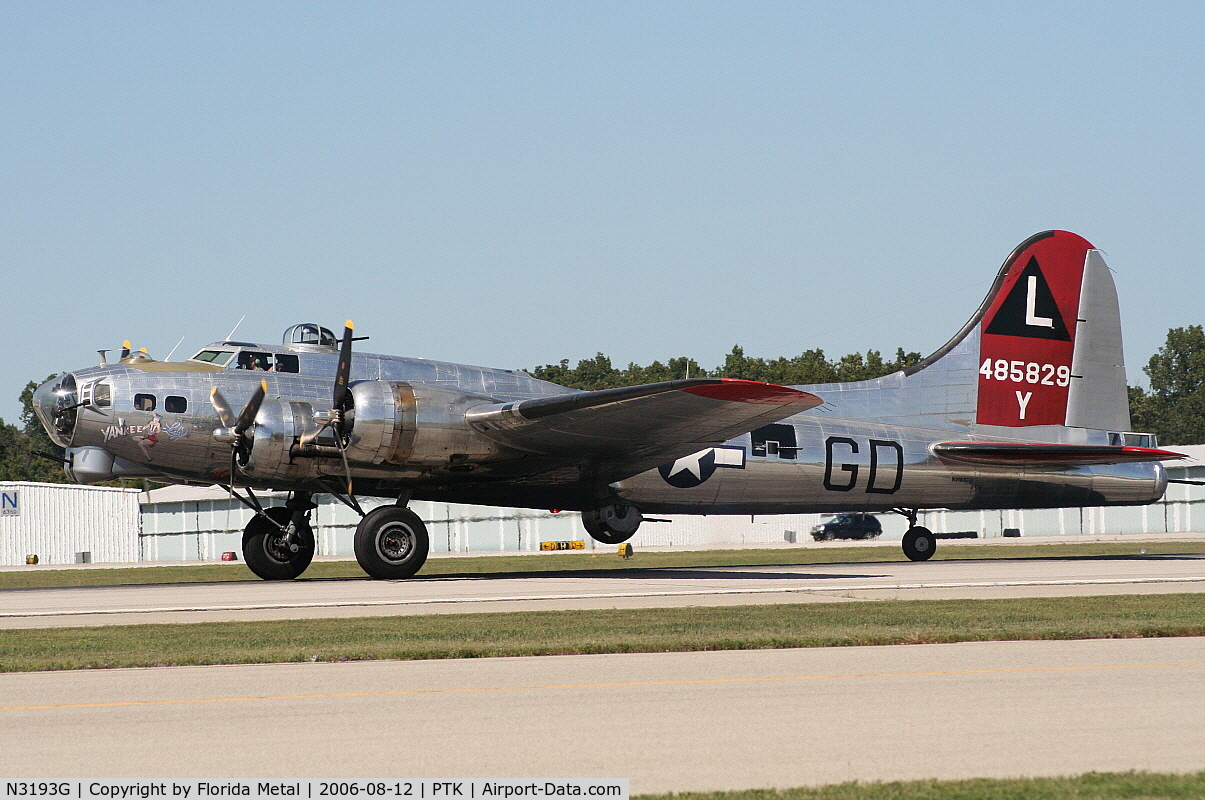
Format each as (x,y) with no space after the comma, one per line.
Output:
(809,366)
(1174,408)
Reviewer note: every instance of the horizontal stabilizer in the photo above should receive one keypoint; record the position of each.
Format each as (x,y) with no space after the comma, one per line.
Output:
(1022,454)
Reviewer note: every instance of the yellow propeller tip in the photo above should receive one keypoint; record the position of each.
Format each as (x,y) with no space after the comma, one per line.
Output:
(350,324)
(213,390)
(263,385)
(126,344)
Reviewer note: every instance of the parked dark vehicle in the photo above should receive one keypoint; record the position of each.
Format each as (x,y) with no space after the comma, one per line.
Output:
(848,526)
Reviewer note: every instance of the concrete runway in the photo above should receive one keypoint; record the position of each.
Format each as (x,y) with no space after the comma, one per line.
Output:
(667,721)
(250,600)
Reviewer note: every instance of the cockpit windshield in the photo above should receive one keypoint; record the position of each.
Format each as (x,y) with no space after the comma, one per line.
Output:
(218,357)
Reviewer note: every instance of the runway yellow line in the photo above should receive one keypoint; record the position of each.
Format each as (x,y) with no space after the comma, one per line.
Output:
(623,684)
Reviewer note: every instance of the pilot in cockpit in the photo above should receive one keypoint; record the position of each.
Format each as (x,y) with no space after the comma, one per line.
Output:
(255,361)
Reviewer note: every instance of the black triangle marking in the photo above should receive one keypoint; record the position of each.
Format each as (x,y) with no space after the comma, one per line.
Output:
(1017,317)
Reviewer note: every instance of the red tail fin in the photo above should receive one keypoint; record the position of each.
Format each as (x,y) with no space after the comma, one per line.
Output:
(1028,333)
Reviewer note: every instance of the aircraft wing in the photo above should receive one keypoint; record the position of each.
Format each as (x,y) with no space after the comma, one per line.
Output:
(626,431)
(1023,454)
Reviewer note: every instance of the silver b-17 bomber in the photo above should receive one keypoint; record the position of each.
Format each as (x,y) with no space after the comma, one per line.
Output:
(1025,407)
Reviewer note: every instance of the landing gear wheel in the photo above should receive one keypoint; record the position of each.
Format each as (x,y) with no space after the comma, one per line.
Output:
(612,524)
(919,544)
(391,542)
(268,551)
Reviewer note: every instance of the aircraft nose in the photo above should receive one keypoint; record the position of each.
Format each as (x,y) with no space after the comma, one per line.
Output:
(55,404)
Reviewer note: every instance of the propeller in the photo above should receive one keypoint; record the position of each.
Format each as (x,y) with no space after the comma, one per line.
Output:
(235,428)
(341,403)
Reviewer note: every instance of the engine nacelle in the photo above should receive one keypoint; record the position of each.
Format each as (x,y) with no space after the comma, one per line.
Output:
(416,425)
(271,438)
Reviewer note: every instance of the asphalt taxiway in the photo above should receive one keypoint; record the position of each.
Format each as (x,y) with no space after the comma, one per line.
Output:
(666,721)
(602,589)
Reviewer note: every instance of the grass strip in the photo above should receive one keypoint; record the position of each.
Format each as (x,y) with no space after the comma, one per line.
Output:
(533,633)
(598,561)
(1092,786)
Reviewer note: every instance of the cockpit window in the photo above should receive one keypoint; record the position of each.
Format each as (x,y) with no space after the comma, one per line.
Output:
(251,360)
(144,402)
(175,404)
(102,396)
(287,363)
(218,357)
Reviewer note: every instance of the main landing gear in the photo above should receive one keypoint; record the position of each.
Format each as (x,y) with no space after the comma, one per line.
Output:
(278,544)
(919,543)
(391,542)
(613,523)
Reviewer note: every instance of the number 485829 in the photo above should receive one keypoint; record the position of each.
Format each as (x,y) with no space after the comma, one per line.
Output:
(1025,372)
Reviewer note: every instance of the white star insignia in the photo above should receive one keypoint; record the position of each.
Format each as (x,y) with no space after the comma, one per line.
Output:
(689,464)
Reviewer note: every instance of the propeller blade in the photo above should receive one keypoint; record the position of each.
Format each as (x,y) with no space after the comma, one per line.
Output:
(343,373)
(246,418)
(125,349)
(225,413)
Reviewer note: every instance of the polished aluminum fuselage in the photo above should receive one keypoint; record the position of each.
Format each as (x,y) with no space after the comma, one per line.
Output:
(866,448)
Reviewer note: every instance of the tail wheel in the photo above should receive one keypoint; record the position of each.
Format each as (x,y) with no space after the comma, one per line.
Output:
(391,543)
(271,553)
(919,544)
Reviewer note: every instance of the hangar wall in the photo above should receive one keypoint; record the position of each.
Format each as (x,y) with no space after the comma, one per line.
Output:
(198,524)
(60,523)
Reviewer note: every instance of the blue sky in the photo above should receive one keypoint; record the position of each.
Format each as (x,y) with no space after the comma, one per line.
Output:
(511,184)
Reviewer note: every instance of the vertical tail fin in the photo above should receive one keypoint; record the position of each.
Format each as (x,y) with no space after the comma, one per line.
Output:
(1042,350)
(1050,340)
(1046,342)
(1027,336)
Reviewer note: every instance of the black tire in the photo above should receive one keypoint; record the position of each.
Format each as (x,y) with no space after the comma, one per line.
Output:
(919,544)
(264,548)
(391,543)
